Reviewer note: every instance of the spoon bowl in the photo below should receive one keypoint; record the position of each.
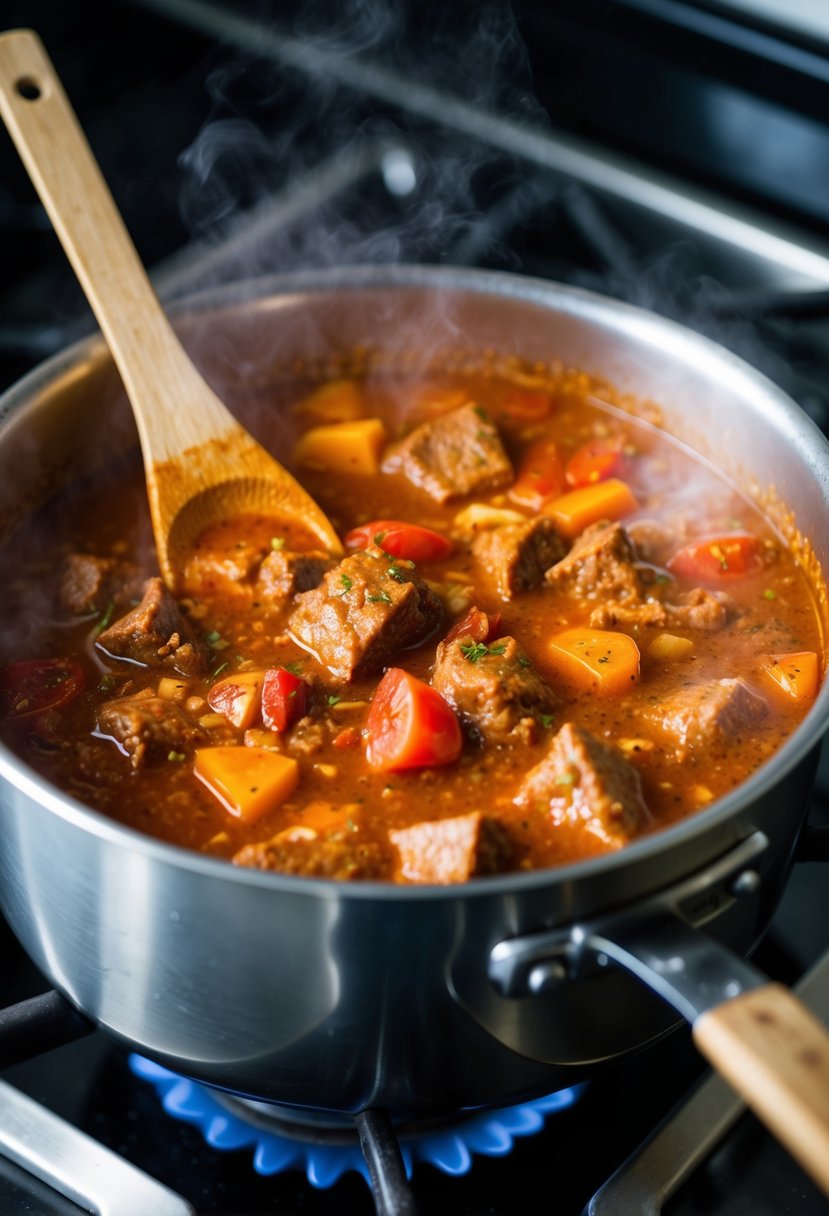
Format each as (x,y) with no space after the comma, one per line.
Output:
(201,465)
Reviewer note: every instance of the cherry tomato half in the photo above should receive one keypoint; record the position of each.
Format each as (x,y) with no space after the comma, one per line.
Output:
(31,686)
(400,539)
(595,461)
(284,698)
(718,557)
(410,725)
(476,625)
(540,475)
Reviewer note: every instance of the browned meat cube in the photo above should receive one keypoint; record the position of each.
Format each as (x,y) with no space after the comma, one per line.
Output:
(600,565)
(283,574)
(148,728)
(368,608)
(303,851)
(518,556)
(89,584)
(452,456)
(629,613)
(494,688)
(703,715)
(586,783)
(452,850)
(701,609)
(155,634)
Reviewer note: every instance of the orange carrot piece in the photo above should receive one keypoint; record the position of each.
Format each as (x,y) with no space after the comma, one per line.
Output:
(596,660)
(573,512)
(795,675)
(248,781)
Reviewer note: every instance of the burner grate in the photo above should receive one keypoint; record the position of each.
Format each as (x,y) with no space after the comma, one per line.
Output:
(327,1150)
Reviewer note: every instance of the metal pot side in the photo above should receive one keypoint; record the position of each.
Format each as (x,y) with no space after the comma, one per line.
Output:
(342,996)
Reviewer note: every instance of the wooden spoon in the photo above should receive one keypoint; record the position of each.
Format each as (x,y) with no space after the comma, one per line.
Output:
(201,465)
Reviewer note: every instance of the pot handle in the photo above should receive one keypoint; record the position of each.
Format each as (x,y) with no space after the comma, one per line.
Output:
(755,1033)
(775,1054)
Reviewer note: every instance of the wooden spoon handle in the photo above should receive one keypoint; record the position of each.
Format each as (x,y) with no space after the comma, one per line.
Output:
(152,362)
(775,1054)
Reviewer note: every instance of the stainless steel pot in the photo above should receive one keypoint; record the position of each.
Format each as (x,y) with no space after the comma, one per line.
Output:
(414,998)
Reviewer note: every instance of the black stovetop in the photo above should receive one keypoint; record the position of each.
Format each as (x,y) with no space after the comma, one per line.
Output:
(196,130)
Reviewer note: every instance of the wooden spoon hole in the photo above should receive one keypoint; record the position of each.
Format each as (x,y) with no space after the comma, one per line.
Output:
(28,88)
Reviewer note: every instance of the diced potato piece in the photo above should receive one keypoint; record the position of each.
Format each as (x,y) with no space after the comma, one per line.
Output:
(668,647)
(345,447)
(596,660)
(268,739)
(795,675)
(573,512)
(238,697)
(480,517)
(337,401)
(173,690)
(248,781)
(211,721)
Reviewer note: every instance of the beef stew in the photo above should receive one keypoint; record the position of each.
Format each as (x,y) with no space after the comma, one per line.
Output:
(554,630)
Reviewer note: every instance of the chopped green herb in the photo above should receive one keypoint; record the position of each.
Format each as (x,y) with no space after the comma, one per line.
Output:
(213,637)
(481,412)
(107,683)
(346,583)
(177,756)
(294,668)
(396,573)
(473,651)
(277,542)
(382,598)
(334,699)
(379,537)
(219,670)
(546,720)
(768,594)
(663,578)
(106,618)
(523,661)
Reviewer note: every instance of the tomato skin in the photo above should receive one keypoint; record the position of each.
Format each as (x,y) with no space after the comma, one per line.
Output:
(477,625)
(526,405)
(718,558)
(400,539)
(284,698)
(410,725)
(594,461)
(540,475)
(31,686)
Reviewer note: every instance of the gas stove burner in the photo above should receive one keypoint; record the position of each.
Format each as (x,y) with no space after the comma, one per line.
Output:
(326,1147)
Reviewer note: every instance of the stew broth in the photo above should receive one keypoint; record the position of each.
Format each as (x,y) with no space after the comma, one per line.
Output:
(614,668)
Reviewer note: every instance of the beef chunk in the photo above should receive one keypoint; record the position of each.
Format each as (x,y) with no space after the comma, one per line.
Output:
(452,456)
(305,852)
(631,613)
(708,714)
(493,688)
(585,782)
(283,574)
(452,850)
(88,584)
(367,609)
(155,634)
(701,609)
(600,565)
(147,727)
(517,556)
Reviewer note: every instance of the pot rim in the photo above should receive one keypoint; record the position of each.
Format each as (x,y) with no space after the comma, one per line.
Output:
(679,342)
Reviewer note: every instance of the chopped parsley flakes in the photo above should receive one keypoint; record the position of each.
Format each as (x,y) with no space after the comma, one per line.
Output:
(382,598)
(473,651)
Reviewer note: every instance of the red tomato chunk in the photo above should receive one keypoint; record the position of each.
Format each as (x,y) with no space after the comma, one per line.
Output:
(284,698)
(410,725)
